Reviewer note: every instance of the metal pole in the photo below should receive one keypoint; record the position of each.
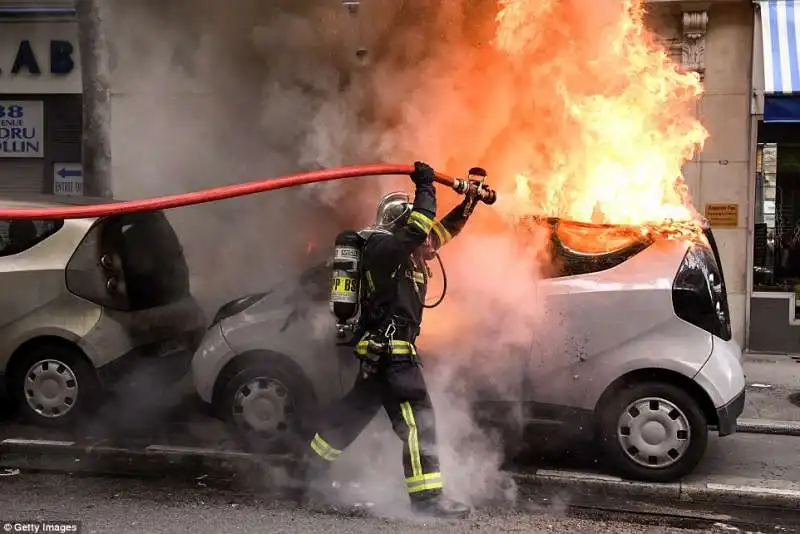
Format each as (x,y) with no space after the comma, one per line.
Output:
(96,142)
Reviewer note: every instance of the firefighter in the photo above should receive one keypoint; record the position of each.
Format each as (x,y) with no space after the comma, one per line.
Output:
(395,272)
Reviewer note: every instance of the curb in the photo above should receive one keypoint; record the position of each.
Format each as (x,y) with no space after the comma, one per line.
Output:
(768,426)
(209,464)
(769,357)
(151,461)
(598,485)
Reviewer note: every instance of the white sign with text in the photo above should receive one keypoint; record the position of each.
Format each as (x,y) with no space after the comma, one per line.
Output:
(68,179)
(21,129)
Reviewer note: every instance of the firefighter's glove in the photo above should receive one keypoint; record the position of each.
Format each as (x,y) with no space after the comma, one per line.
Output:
(370,360)
(423,174)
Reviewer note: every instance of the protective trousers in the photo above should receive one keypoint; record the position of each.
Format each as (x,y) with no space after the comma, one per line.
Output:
(401,389)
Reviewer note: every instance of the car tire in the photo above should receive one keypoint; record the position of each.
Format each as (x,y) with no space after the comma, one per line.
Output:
(263,404)
(53,385)
(652,431)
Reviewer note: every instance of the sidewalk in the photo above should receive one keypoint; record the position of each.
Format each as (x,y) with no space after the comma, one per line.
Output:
(773,388)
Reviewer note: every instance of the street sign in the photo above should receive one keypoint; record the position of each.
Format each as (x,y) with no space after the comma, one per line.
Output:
(68,179)
(21,129)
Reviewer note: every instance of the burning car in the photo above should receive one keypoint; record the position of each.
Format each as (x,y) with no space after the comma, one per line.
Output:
(647,363)
(87,304)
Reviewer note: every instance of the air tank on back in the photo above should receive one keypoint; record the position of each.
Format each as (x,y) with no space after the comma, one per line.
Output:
(344,298)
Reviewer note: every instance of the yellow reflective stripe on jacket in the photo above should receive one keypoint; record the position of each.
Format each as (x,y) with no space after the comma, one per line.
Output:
(324,449)
(413,439)
(442,233)
(416,276)
(430,481)
(421,221)
(403,347)
(398,347)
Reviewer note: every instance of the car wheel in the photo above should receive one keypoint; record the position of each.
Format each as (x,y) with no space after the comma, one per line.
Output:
(263,405)
(653,431)
(53,385)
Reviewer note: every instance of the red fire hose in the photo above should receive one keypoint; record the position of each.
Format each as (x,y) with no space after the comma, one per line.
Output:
(216,193)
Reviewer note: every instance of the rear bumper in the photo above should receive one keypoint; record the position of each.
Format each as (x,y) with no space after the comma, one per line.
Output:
(722,376)
(729,413)
(159,364)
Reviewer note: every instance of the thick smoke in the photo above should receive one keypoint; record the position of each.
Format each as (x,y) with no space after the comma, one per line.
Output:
(207,94)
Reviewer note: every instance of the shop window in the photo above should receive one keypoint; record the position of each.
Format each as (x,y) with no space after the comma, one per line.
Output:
(776,243)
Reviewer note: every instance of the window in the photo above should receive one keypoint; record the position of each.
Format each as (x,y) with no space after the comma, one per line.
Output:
(20,235)
(776,243)
(776,232)
(130,262)
(153,264)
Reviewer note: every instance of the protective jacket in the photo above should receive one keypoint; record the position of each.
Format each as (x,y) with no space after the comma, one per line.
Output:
(395,271)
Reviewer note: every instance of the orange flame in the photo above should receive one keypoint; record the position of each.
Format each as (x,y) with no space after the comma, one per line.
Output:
(625,121)
(579,113)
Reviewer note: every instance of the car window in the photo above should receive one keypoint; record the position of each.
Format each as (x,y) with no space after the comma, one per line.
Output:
(132,262)
(153,263)
(19,235)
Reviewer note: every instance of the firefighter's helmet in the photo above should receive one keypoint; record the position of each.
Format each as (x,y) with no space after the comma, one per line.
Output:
(393,210)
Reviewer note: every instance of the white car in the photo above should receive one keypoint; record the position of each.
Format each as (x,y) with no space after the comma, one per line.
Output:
(654,369)
(90,306)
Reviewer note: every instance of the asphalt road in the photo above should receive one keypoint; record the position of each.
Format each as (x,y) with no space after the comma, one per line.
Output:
(123,506)
(749,456)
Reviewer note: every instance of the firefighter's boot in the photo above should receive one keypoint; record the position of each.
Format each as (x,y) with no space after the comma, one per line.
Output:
(311,477)
(440,506)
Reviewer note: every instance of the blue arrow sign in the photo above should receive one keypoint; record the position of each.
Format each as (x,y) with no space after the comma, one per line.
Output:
(64,173)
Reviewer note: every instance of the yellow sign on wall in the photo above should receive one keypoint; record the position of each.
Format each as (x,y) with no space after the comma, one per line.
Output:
(723,215)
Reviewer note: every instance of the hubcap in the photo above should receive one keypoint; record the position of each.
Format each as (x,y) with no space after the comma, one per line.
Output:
(51,388)
(653,432)
(263,405)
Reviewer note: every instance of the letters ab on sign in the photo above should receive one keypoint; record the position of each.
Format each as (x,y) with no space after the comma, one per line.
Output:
(25,59)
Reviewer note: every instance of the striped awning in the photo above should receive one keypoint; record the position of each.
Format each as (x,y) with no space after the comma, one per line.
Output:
(37,7)
(781,40)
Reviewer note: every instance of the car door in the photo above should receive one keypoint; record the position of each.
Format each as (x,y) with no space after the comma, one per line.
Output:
(340,362)
(31,276)
(585,311)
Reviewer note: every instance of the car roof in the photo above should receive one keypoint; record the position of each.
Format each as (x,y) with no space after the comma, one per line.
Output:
(23,200)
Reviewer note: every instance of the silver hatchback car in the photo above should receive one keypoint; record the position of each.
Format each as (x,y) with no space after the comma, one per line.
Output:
(87,303)
(654,368)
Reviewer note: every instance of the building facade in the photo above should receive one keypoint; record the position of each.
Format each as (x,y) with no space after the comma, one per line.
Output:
(774,251)
(746,180)
(715,39)
(40,98)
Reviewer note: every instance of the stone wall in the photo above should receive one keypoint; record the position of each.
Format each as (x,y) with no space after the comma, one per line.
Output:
(717,42)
